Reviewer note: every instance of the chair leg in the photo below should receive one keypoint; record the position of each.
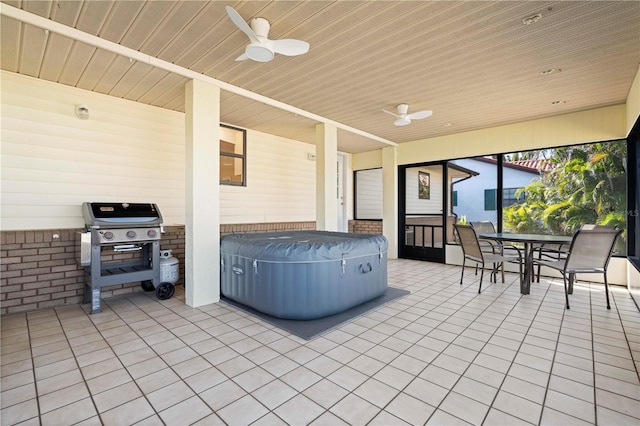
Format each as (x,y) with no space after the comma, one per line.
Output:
(521,275)
(566,292)
(464,259)
(606,290)
(572,279)
(481,275)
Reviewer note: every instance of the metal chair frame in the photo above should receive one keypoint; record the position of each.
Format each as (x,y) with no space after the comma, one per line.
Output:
(472,250)
(589,253)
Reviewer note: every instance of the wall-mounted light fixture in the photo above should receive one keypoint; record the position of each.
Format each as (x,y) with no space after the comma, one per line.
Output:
(82,111)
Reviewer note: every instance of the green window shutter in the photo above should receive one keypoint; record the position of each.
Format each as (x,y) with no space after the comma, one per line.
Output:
(454,195)
(489,199)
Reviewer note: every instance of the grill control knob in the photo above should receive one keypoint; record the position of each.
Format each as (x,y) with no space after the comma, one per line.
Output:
(108,235)
(151,233)
(131,234)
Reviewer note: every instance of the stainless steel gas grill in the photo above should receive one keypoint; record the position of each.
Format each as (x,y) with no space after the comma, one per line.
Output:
(111,231)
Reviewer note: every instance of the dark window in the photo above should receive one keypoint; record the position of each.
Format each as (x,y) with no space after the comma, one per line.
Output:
(232,156)
(509,197)
(490,199)
(454,198)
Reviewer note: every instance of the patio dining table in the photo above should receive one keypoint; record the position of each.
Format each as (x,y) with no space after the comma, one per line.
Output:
(528,240)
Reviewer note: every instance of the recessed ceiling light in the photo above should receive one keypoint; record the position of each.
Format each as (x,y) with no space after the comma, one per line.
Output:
(550,71)
(448,125)
(532,19)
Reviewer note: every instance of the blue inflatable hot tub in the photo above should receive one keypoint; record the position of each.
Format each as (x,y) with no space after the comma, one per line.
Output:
(303,274)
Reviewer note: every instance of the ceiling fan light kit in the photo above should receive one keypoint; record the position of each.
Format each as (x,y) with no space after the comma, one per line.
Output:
(260,48)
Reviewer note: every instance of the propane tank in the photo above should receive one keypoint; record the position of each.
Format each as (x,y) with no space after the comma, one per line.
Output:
(169,272)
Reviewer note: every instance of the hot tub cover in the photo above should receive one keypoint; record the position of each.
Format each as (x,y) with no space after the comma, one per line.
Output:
(303,274)
(303,246)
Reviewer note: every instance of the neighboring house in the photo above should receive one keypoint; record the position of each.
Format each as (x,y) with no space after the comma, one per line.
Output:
(476,198)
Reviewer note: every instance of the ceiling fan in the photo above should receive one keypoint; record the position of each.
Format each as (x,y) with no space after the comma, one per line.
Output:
(404,118)
(261,49)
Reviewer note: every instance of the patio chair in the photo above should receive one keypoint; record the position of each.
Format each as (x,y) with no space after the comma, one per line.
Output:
(472,250)
(491,246)
(559,251)
(589,253)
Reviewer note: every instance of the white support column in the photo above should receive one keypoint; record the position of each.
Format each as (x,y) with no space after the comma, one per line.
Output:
(326,177)
(202,241)
(390,199)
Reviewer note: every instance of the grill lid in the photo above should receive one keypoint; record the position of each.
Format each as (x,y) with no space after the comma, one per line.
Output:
(121,214)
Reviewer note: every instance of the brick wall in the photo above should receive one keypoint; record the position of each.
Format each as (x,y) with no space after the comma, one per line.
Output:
(39,269)
(246,228)
(365,226)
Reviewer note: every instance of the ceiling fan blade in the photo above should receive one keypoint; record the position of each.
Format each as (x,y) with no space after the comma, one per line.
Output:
(240,23)
(419,115)
(392,113)
(242,57)
(290,47)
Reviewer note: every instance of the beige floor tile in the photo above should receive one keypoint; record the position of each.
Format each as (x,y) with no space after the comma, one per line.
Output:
(299,410)
(205,379)
(382,419)
(128,413)
(410,409)
(556,418)
(347,378)
(62,397)
(157,380)
(475,390)
(465,408)
(109,380)
(440,417)
(355,410)
(74,413)
(19,412)
(243,411)
(402,357)
(222,394)
(627,405)
(16,380)
(169,395)
(275,393)
(186,412)
(253,379)
(17,367)
(59,381)
(500,418)
(611,417)
(300,378)
(376,392)
(116,396)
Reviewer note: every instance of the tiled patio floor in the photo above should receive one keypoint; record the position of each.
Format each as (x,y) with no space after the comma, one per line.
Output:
(442,355)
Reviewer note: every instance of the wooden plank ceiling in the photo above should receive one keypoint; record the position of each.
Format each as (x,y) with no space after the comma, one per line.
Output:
(474,63)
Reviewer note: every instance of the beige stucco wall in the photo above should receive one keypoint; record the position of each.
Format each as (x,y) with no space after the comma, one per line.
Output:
(580,127)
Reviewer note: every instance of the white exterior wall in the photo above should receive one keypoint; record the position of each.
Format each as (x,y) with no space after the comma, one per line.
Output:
(471,191)
(416,205)
(280,183)
(52,161)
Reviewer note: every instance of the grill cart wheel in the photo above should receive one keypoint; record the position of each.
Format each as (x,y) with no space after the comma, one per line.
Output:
(165,291)
(147,285)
